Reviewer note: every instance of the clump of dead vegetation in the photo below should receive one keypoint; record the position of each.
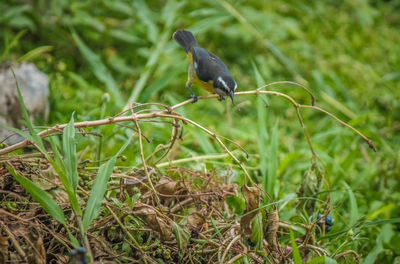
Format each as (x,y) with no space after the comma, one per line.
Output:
(143,215)
(192,222)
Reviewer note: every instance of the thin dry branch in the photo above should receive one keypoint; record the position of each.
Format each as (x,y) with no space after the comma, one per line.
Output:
(169,112)
(142,156)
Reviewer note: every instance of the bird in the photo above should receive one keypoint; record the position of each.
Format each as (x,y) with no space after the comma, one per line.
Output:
(206,70)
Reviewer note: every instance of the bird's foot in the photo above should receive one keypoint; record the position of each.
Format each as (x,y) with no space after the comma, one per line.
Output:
(194,97)
(221,98)
(192,94)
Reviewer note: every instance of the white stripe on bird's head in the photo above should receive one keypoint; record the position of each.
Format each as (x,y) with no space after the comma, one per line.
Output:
(223,83)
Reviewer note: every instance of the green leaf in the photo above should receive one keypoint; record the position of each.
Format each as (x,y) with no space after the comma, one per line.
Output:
(18,131)
(236,204)
(217,231)
(59,167)
(73,239)
(384,209)
(273,159)
(354,214)
(70,161)
(296,253)
(373,254)
(42,197)
(383,221)
(159,84)
(147,18)
(35,53)
(99,189)
(257,235)
(208,23)
(322,260)
(99,69)
(204,142)
(168,13)
(262,130)
(97,192)
(35,138)
(14,42)
(309,189)
(182,238)
(317,260)
(329,260)
(57,157)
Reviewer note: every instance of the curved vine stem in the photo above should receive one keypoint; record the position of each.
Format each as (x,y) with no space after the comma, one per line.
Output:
(169,111)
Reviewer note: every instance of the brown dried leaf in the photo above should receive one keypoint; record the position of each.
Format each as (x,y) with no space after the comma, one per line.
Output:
(101,247)
(61,258)
(252,199)
(271,235)
(149,215)
(195,220)
(166,186)
(60,196)
(129,184)
(39,251)
(3,249)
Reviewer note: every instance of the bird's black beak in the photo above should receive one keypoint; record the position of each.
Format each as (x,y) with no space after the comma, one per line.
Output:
(231,95)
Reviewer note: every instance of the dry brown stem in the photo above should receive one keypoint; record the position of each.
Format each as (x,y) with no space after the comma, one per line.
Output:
(169,113)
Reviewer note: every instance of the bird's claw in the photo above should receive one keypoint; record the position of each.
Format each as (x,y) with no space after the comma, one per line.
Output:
(194,97)
(221,98)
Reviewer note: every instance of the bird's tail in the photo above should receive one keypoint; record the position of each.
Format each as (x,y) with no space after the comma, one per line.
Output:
(185,39)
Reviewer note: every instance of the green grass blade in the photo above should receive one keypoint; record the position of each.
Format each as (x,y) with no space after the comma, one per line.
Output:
(147,18)
(262,130)
(322,260)
(282,58)
(329,260)
(57,156)
(276,52)
(70,161)
(296,253)
(97,192)
(35,53)
(354,214)
(99,189)
(169,12)
(317,260)
(204,142)
(383,221)
(70,178)
(73,239)
(273,159)
(159,84)
(59,167)
(42,197)
(99,69)
(18,131)
(14,42)
(35,138)
(373,254)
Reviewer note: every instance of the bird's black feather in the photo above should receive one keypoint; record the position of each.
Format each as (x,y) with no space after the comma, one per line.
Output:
(185,39)
(208,65)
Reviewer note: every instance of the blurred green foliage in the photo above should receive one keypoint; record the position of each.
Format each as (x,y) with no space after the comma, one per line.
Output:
(347,52)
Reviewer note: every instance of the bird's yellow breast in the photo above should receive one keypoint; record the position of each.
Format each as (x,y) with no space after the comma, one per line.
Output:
(193,79)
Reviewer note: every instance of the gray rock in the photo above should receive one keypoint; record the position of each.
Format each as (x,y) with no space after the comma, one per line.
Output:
(34,87)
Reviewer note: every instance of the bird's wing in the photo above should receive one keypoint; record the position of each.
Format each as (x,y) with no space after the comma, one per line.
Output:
(206,64)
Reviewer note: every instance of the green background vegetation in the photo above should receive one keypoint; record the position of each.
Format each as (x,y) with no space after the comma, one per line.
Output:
(346,52)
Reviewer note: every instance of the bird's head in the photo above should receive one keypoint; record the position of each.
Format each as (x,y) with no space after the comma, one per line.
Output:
(225,85)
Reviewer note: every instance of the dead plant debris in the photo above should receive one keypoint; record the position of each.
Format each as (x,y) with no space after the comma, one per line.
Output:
(191,224)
